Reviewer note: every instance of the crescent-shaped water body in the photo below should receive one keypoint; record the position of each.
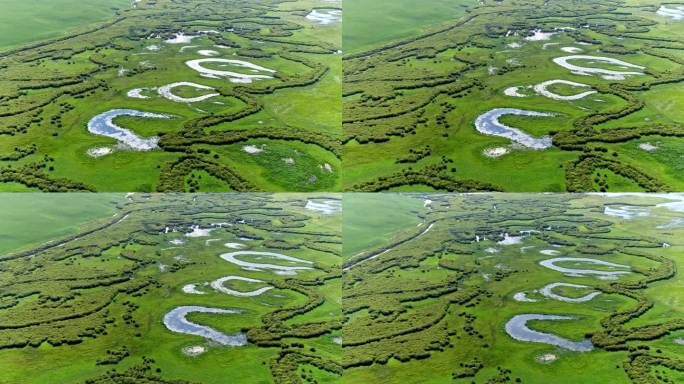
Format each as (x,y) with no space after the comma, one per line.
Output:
(551,264)
(137,93)
(327,207)
(541,89)
(166,92)
(514,92)
(571,49)
(626,212)
(192,289)
(517,328)
(234,245)
(282,269)
(488,124)
(676,13)
(103,125)
(607,73)
(325,16)
(208,52)
(176,321)
(547,291)
(218,285)
(235,77)
(522,297)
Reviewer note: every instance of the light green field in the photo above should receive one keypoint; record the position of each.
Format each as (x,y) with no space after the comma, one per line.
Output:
(27,21)
(390,214)
(368,24)
(30,219)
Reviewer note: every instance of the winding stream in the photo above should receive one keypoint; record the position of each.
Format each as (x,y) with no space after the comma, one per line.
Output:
(103,125)
(176,321)
(676,13)
(541,89)
(547,291)
(280,269)
(235,77)
(166,92)
(234,245)
(327,207)
(325,16)
(218,285)
(551,264)
(606,73)
(626,212)
(517,328)
(488,124)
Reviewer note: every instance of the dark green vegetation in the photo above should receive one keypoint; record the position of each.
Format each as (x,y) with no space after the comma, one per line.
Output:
(89,307)
(431,308)
(410,107)
(51,89)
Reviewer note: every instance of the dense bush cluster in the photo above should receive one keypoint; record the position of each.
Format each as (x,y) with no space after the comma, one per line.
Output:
(435,176)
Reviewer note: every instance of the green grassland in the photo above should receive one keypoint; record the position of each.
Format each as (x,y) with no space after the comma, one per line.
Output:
(89,306)
(410,107)
(386,213)
(26,21)
(404,288)
(368,24)
(50,217)
(50,90)
(432,308)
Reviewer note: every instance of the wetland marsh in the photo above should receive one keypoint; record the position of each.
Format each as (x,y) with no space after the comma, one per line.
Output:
(417,105)
(141,289)
(231,73)
(353,288)
(515,288)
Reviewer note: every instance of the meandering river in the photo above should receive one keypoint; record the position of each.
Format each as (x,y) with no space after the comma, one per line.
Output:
(606,73)
(166,92)
(325,16)
(234,77)
(176,321)
(517,328)
(327,207)
(103,125)
(488,123)
(547,291)
(541,89)
(218,285)
(280,269)
(551,264)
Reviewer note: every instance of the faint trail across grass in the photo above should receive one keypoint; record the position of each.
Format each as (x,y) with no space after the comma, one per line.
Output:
(370,219)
